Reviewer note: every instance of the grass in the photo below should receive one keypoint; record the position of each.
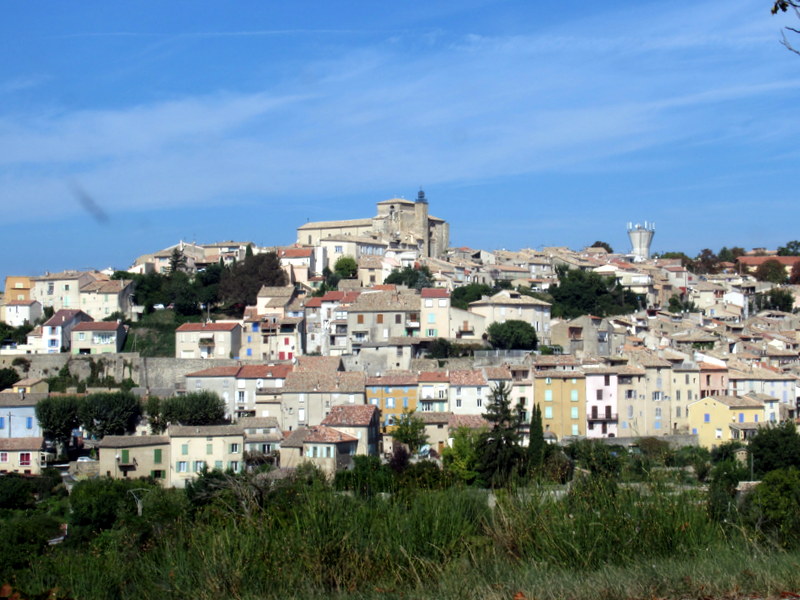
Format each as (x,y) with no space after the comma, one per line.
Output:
(600,541)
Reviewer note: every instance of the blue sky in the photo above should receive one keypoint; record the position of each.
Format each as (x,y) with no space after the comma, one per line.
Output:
(125,127)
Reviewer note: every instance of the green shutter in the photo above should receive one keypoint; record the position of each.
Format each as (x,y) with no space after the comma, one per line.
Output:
(209,448)
(125,457)
(157,456)
(184,449)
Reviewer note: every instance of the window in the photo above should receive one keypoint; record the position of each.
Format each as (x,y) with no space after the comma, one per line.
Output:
(430,332)
(431,318)
(3,457)
(157,456)
(548,395)
(575,430)
(677,395)
(360,319)
(442,303)
(442,393)
(241,396)
(548,412)
(657,397)
(428,302)
(573,395)
(337,249)
(658,412)
(573,412)
(718,433)
(599,394)
(301,415)
(374,401)
(81,336)
(199,465)
(234,466)
(209,448)
(234,449)
(184,449)
(379,318)
(398,319)
(24,459)
(158,474)
(707,418)
(2,422)
(548,380)
(677,412)
(458,402)
(182,466)
(480,402)
(390,403)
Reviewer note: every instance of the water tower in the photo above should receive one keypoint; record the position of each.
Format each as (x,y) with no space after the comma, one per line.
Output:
(641,237)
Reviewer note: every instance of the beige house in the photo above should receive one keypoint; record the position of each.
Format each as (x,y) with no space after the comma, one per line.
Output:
(508,305)
(325,447)
(20,312)
(100,299)
(308,396)
(208,340)
(196,448)
(98,337)
(360,421)
(24,455)
(719,419)
(62,290)
(56,332)
(135,456)
(376,316)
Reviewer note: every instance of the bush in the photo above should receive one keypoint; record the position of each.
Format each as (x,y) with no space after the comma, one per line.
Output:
(773,507)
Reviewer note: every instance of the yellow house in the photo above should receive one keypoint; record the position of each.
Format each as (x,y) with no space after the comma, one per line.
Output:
(392,393)
(561,396)
(719,419)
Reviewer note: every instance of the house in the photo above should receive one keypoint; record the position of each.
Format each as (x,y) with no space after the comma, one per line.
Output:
(101,299)
(98,337)
(56,332)
(561,396)
(18,414)
(194,449)
(18,288)
(62,290)
(360,421)
(719,419)
(17,313)
(308,396)
(588,336)
(602,407)
(469,390)
(434,391)
(262,435)
(133,456)
(299,264)
(24,455)
(31,385)
(507,305)
(208,340)
(392,393)
(376,316)
(325,447)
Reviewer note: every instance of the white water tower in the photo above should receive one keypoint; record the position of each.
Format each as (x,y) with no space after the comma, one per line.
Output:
(641,237)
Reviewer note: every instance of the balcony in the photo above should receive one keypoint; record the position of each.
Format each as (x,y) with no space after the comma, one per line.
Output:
(607,417)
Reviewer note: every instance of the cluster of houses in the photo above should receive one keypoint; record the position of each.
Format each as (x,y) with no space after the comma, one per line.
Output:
(323,378)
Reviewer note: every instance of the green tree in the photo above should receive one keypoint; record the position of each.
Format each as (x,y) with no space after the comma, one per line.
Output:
(500,455)
(706,262)
(104,503)
(599,244)
(16,492)
(154,413)
(461,457)
(771,270)
(413,278)
(536,445)
(177,261)
(586,292)
(115,413)
(8,377)
(678,305)
(725,477)
(410,430)
(790,249)
(462,296)
(58,417)
(773,507)
(775,299)
(240,284)
(512,335)
(346,267)
(440,348)
(195,408)
(686,262)
(775,447)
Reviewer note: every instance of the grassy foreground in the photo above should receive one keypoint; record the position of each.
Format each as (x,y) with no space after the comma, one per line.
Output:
(306,541)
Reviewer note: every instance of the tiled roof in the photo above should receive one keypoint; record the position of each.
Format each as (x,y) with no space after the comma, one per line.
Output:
(359,415)
(386,301)
(283,291)
(393,378)
(20,302)
(258,422)
(97,326)
(328,435)
(553,374)
(319,363)
(738,401)
(433,377)
(132,441)
(434,293)
(203,430)
(495,373)
(215,372)
(24,443)
(515,299)
(325,382)
(64,315)
(10,399)
(330,224)
(470,421)
(314,302)
(264,371)
(467,377)
(295,252)
(433,418)
(112,286)
(208,327)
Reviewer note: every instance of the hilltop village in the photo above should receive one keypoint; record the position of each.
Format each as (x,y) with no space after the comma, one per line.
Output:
(320,352)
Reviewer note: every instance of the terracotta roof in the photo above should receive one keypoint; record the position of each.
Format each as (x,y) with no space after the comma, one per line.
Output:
(23,443)
(132,441)
(553,374)
(495,373)
(325,382)
(470,421)
(215,372)
(359,415)
(208,327)
(434,293)
(28,381)
(112,286)
(264,371)
(736,401)
(97,326)
(466,378)
(433,418)
(704,366)
(64,315)
(319,363)
(19,302)
(258,423)
(433,377)
(755,261)
(403,378)
(296,252)
(386,301)
(204,430)
(328,435)
(314,302)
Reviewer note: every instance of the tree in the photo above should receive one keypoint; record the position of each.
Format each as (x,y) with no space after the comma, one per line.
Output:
(790,249)
(706,262)
(113,413)
(411,277)
(8,377)
(240,284)
(599,244)
(586,292)
(500,456)
(775,299)
(775,448)
(772,507)
(730,255)
(177,261)
(346,267)
(536,444)
(440,348)
(678,305)
(771,270)
(785,6)
(153,410)
(410,430)
(58,417)
(512,335)
(195,408)
(462,296)
(460,458)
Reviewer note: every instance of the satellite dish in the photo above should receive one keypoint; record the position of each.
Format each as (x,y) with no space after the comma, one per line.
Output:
(259,383)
